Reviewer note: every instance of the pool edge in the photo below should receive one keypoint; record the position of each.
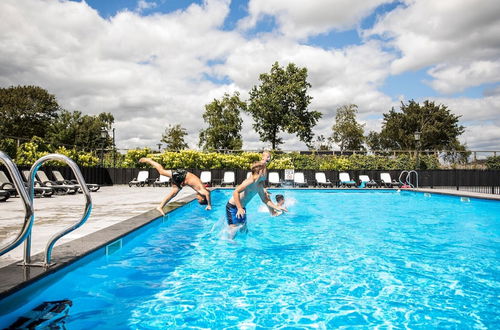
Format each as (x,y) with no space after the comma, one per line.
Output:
(15,277)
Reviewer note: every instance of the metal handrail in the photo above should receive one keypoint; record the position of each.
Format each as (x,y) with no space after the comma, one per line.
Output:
(57,236)
(401,175)
(28,204)
(408,178)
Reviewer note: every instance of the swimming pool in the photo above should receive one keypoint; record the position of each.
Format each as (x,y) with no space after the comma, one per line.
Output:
(338,258)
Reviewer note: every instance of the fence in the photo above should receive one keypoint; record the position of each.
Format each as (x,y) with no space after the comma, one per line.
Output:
(484,181)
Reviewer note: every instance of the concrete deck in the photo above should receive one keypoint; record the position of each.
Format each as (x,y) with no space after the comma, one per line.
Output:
(111,205)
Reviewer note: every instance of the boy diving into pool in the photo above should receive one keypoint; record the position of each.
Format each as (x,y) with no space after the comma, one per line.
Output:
(181,178)
(243,194)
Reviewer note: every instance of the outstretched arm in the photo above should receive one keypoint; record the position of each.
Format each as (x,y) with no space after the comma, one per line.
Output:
(167,198)
(156,165)
(204,192)
(266,200)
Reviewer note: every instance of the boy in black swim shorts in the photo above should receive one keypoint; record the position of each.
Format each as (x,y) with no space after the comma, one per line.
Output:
(181,178)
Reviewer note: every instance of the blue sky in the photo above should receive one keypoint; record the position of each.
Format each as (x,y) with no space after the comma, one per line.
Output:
(144,59)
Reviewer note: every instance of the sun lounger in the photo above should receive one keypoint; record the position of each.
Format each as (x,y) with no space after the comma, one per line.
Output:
(162,180)
(387,181)
(141,179)
(39,189)
(206,178)
(59,188)
(61,180)
(4,195)
(6,185)
(366,182)
(274,179)
(228,179)
(321,180)
(345,180)
(299,180)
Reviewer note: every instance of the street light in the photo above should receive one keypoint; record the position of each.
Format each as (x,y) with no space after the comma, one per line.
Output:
(417,145)
(104,136)
(159,147)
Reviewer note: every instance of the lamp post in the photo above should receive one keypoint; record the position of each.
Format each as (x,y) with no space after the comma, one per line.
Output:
(159,147)
(417,145)
(104,135)
(114,149)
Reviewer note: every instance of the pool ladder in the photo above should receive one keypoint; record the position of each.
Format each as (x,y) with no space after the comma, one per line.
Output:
(408,178)
(27,195)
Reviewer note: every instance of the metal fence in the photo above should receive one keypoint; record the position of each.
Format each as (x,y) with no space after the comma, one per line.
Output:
(483,181)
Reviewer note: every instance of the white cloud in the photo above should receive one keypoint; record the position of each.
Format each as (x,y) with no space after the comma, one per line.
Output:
(456,38)
(299,19)
(143,5)
(151,71)
(450,79)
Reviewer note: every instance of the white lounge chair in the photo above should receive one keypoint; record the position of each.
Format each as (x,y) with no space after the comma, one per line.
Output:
(345,180)
(58,187)
(228,178)
(162,180)
(141,180)
(299,180)
(321,180)
(365,181)
(206,178)
(274,179)
(387,181)
(61,180)
(249,174)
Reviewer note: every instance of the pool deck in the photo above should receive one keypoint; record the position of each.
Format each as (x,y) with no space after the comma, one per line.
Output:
(116,211)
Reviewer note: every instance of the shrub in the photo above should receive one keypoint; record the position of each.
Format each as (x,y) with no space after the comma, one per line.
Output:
(493,163)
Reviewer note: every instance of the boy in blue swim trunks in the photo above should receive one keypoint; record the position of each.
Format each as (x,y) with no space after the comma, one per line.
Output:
(235,207)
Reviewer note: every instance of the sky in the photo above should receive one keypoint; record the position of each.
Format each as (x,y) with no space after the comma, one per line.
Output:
(155,63)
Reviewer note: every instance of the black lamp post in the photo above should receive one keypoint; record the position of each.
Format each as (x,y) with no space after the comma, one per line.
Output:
(417,145)
(159,147)
(104,136)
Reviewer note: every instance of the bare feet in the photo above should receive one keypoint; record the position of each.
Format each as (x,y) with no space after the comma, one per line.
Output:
(208,208)
(160,209)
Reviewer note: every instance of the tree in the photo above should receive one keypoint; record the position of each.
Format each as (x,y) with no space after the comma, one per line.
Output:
(323,143)
(26,111)
(224,124)
(174,138)
(347,132)
(438,126)
(82,131)
(280,103)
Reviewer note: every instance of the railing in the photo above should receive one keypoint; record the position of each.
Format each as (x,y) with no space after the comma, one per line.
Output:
(57,236)
(27,202)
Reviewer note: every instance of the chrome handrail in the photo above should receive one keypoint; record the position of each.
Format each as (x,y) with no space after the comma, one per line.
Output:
(28,203)
(408,178)
(400,175)
(57,236)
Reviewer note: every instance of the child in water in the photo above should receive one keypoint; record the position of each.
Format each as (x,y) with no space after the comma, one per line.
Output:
(280,201)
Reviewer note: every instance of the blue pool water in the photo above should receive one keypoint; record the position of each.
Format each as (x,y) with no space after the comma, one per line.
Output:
(338,258)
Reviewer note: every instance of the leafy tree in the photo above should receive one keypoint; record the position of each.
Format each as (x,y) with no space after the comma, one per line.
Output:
(26,111)
(82,131)
(347,132)
(438,126)
(280,103)
(224,124)
(373,141)
(174,138)
(323,143)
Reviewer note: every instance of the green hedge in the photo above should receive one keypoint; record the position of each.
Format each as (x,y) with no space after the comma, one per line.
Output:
(212,160)
(493,163)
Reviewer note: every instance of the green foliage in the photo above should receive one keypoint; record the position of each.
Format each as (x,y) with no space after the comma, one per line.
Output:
(280,103)
(281,163)
(224,124)
(347,132)
(132,158)
(334,163)
(493,163)
(28,153)
(174,138)
(82,131)
(26,111)
(438,126)
(9,146)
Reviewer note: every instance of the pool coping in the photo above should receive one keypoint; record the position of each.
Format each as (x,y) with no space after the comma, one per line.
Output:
(15,277)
